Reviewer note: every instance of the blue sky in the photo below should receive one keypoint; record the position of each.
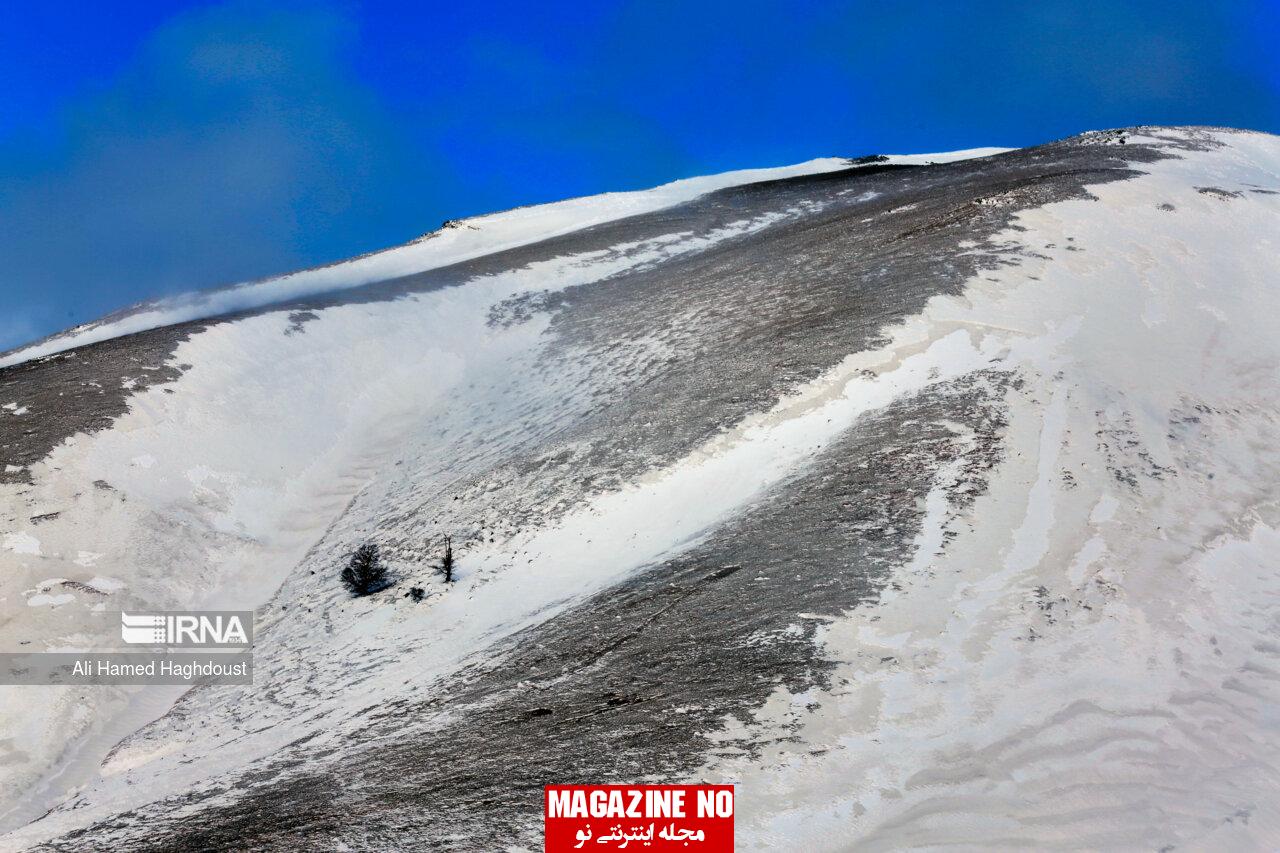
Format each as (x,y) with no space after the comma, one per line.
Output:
(148,149)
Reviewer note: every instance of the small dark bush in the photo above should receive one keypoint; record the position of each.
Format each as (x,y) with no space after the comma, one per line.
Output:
(365,573)
(417,593)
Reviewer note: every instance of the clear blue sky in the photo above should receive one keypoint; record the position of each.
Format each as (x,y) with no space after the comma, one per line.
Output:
(148,148)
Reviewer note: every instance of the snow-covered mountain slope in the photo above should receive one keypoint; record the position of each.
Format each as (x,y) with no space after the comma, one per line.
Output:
(457,240)
(930,504)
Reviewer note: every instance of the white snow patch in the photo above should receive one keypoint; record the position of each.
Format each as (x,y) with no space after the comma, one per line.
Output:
(22,543)
(45,599)
(104,584)
(1104,510)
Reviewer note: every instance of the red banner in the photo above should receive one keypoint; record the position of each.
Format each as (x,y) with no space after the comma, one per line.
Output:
(650,818)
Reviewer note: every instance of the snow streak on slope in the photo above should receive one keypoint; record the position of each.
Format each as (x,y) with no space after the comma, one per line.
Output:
(460,240)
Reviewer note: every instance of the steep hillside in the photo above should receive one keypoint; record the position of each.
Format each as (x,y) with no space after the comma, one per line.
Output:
(929,499)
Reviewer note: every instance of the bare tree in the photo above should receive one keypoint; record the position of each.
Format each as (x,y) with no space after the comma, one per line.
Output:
(446,563)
